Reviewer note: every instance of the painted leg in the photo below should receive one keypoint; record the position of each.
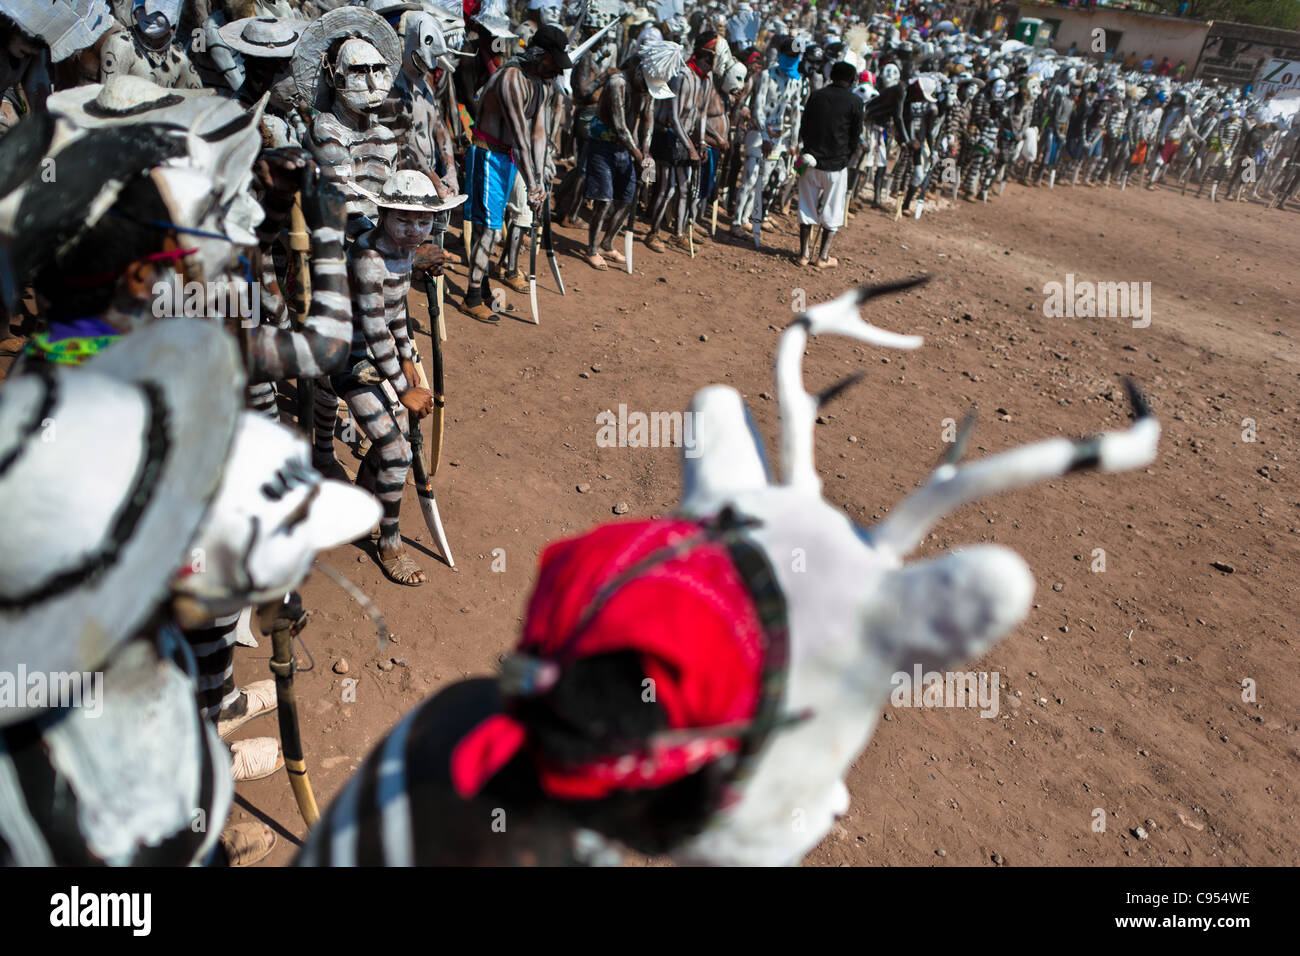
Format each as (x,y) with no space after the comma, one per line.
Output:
(824,260)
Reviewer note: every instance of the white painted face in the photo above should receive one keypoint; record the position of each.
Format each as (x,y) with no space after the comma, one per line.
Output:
(407,229)
(156,19)
(857,614)
(362,77)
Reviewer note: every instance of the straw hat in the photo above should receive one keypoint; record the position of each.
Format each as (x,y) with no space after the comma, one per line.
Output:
(107,471)
(411,191)
(267,37)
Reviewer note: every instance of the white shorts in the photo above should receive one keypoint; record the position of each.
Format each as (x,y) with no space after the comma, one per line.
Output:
(822,197)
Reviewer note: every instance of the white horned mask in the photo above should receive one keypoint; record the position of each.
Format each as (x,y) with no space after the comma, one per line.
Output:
(425,46)
(857,614)
(272,514)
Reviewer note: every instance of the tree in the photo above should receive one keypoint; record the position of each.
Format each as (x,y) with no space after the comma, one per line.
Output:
(1264,13)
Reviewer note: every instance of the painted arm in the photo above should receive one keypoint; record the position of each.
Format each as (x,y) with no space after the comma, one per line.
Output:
(616,90)
(678,116)
(335,162)
(446,149)
(716,130)
(398,327)
(367,272)
(513,94)
(321,346)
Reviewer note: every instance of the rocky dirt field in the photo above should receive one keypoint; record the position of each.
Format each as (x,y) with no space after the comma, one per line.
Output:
(1122,694)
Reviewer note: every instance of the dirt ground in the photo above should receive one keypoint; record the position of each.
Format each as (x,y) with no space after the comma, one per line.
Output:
(1122,692)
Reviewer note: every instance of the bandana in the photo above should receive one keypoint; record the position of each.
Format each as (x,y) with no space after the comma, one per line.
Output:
(788,63)
(695,68)
(663,589)
(71,342)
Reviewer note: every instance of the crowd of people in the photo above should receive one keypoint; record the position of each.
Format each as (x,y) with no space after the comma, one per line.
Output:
(331,157)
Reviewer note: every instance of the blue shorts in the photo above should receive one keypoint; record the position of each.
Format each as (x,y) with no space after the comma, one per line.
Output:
(489,177)
(708,170)
(611,173)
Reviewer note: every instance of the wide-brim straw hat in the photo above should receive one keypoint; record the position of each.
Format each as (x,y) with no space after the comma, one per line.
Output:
(107,470)
(267,37)
(411,191)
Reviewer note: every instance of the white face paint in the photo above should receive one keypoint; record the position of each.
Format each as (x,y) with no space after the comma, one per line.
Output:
(407,229)
(857,614)
(362,77)
(156,19)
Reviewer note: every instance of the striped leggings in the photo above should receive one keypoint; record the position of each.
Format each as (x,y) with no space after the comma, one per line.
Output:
(389,458)
(214,651)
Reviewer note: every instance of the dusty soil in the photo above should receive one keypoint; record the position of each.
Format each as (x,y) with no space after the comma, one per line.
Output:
(1130,681)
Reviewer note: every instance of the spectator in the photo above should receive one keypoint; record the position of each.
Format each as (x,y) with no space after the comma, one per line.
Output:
(831,128)
(1180,70)
(1131,61)
(1149,63)
(1165,66)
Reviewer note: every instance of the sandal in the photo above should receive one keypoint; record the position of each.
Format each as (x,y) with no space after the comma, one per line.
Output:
(654,244)
(400,568)
(597,263)
(255,758)
(515,280)
(483,312)
(259,698)
(246,843)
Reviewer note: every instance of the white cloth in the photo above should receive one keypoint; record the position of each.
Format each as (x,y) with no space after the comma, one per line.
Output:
(822,198)
(517,209)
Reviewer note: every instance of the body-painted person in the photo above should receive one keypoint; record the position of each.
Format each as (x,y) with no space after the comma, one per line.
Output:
(512,137)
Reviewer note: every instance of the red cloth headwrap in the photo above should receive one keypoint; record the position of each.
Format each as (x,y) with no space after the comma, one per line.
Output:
(690,617)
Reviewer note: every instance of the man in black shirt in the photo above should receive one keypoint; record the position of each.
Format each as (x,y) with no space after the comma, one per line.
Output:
(831,128)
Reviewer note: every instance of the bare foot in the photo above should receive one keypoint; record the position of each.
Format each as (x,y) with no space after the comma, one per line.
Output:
(596,262)
(613,255)
(830,263)
(397,564)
